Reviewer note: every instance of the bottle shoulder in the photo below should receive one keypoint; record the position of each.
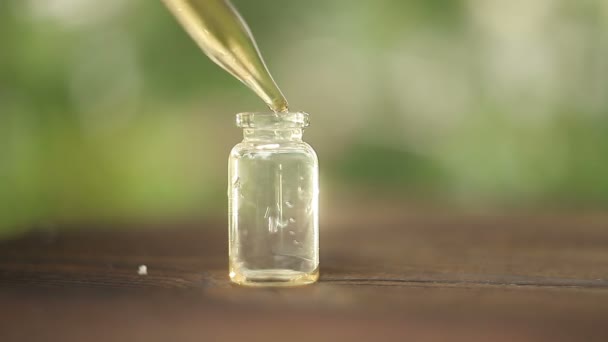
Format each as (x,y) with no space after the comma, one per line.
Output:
(245,148)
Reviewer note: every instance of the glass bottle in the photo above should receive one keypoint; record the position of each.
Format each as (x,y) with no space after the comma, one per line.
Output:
(273,194)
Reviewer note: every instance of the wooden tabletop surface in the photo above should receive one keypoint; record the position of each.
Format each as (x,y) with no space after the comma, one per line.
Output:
(416,276)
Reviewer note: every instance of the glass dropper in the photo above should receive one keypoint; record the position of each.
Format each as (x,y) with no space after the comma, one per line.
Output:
(223,35)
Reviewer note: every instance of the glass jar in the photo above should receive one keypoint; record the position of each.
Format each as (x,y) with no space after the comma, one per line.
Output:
(273,195)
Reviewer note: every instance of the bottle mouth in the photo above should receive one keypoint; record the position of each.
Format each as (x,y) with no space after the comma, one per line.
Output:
(271,120)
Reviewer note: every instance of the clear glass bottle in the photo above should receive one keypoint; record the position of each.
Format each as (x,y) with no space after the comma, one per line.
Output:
(273,195)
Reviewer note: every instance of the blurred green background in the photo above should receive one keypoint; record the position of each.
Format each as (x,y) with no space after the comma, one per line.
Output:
(108,110)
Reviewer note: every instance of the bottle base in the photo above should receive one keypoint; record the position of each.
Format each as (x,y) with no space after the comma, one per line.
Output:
(273,277)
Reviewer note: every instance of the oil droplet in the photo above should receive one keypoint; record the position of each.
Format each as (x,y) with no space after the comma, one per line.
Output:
(296,242)
(273,225)
(292,220)
(291,232)
(289,204)
(301,193)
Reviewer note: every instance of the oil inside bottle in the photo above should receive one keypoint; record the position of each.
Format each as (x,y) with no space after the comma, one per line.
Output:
(224,36)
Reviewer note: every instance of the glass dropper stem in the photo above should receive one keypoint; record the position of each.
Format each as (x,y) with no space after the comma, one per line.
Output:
(223,35)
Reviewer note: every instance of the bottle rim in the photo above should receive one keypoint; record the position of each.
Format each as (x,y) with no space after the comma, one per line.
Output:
(272,120)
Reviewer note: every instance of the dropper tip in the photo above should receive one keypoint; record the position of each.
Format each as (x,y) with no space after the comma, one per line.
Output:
(282,108)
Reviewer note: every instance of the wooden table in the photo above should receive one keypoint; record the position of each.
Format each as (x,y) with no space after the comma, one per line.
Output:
(390,275)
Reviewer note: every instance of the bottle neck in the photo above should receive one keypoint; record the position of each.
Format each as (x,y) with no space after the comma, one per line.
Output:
(260,134)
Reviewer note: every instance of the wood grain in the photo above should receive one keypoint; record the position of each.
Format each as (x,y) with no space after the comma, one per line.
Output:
(420,276)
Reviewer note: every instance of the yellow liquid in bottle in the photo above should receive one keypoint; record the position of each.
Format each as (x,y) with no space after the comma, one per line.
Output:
(224,36)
